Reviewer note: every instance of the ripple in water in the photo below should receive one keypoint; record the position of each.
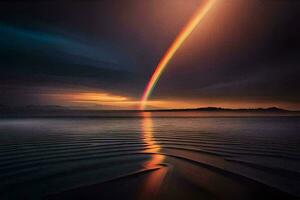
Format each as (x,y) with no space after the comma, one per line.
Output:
(150,157)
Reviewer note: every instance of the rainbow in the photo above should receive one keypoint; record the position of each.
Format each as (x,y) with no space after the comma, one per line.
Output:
(181,37)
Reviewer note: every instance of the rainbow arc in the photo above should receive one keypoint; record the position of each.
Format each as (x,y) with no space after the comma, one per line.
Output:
(199,15)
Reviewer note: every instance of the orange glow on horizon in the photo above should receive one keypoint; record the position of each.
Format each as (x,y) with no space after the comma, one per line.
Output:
(93,96)
(88,98)
(181,37)
(107,100)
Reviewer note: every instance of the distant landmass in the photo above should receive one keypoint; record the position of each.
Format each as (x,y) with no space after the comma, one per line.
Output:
(219,109)
(61,111)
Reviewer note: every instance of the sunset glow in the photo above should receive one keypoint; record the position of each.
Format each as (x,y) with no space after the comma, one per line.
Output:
(79,117)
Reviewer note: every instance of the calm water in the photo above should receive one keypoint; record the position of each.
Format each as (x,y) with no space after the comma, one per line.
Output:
(150,156)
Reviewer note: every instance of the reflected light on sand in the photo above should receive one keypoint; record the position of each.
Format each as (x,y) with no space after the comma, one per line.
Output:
(154,180)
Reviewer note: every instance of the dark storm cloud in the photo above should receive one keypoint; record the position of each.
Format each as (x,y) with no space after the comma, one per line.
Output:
(98,44)
(73,45)
(32,58)
(115,46)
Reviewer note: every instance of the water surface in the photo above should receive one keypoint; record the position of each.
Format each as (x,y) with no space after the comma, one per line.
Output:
(150,156)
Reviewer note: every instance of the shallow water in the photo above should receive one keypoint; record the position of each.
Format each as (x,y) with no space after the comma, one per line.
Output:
(150,156)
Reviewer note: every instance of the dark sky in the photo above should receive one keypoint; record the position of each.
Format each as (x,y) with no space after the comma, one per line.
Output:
(244,54)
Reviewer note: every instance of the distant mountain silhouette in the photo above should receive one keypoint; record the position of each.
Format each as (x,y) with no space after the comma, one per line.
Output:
(61,111)
(270,109)
(219,109)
